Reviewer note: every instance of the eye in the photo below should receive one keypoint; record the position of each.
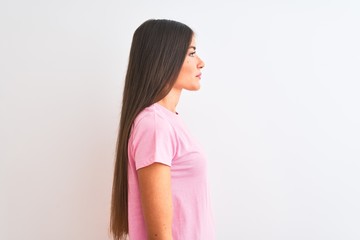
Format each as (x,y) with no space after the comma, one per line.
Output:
(192,54)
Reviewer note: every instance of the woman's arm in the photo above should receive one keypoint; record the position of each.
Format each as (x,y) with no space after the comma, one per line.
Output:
(156,200)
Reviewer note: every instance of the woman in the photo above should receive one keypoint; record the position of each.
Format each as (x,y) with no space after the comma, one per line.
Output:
(160,186)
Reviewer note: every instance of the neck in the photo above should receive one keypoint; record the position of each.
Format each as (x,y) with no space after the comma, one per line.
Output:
(171,100)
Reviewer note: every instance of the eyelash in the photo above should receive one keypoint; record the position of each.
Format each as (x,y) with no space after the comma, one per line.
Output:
(192,54)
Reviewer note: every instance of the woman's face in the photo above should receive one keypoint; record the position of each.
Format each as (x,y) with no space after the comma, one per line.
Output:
(190,75)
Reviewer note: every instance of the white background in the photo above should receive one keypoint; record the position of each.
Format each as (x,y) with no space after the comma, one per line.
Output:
(278,114)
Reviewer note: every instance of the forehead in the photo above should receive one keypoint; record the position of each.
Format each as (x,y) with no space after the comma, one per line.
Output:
(193,43)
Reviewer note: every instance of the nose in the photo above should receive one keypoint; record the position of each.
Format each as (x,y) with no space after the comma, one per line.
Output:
(201,63)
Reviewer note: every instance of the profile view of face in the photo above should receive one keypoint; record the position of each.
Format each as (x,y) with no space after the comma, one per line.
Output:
(190,73)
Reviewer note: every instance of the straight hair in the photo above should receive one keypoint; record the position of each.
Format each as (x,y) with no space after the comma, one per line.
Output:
(157,54)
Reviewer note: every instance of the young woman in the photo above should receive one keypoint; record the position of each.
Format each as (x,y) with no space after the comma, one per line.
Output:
(160,186)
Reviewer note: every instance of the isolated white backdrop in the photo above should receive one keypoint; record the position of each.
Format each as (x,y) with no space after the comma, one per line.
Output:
(278,114)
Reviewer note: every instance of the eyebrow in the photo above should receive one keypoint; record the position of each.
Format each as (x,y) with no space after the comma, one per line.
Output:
(193,47)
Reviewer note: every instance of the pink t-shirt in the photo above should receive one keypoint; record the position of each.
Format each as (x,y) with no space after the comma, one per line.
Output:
(159,135)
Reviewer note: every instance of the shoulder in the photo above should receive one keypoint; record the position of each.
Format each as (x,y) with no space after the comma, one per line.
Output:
(152,134)
(151,119)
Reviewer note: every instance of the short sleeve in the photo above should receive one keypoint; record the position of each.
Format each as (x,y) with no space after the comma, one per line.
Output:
(153,140)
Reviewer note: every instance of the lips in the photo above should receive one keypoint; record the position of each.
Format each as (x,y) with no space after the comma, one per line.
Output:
(199,75)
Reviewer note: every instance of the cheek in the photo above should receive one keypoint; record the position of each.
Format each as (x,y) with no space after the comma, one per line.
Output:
(187,75)
(187,70)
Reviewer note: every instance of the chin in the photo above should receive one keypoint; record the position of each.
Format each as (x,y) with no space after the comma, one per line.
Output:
(194,88)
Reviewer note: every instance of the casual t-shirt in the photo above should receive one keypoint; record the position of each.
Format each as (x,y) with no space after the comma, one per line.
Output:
(159,135)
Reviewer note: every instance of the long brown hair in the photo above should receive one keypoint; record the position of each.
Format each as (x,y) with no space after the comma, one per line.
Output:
(157,53)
